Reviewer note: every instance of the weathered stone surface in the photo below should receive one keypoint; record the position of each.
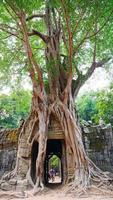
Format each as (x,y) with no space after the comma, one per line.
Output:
(8,150)
(6,186)
(12,181)
(98,142)
(7,159)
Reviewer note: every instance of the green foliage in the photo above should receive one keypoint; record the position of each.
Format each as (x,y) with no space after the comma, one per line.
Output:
(27,5)
(93,106)
(54,161)
(86,106)
(105,106)
(13,62)
(13,108)
(82,18)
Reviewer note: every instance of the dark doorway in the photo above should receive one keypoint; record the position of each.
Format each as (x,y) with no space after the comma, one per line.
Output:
(34,154)
(54,149)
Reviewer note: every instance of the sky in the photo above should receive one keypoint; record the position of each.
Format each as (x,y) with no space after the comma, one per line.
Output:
(98,81)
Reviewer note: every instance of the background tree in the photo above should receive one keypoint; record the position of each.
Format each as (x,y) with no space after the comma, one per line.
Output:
(104,106)
(59,44)
(86,106)
(96,105)
(13,108)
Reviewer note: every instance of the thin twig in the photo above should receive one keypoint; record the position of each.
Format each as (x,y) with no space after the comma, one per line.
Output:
(78,22)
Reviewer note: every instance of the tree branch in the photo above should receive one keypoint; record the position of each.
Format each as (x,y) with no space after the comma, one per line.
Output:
(45,38)
(35,16)
(28,49)
(64,39)
(104,24)
(14,53)
(8,27)
(82,78)
(76,84)
(70,51)
(12,6)
(78,22)
(54,18)
(9,11)
(81,42)
(10,32)
(102,62)
(94,34)
(93,67)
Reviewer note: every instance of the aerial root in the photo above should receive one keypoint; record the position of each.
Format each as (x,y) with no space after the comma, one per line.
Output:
(85,182)
(86,172)
(39,186)
(86,191)
(103,190)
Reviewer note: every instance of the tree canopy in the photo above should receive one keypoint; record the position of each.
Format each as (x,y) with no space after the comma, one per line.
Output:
(86,39)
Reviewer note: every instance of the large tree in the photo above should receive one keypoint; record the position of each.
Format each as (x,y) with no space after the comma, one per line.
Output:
(59,43)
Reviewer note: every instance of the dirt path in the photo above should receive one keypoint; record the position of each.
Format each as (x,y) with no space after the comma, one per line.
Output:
(50,194)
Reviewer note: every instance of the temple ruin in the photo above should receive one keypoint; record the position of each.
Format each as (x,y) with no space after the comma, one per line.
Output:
(98,142)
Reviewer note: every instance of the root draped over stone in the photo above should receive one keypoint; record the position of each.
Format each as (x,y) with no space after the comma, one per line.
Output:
(86,172)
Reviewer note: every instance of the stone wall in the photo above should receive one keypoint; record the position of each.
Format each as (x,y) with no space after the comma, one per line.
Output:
(98,142)
(7,160)
(8,150)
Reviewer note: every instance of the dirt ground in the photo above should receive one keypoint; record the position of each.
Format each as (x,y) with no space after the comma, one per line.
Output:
(54,192)
(51,194)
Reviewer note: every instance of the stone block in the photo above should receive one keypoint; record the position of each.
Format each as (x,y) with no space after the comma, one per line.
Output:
(5,186)
(12,181)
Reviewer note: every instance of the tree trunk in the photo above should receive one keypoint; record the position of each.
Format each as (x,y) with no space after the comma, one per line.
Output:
(35,129)
(59,102)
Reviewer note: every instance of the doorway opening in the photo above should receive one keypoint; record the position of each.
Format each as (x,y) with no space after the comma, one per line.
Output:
(54,162)
(34,154)
(54,169)
(55,159)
